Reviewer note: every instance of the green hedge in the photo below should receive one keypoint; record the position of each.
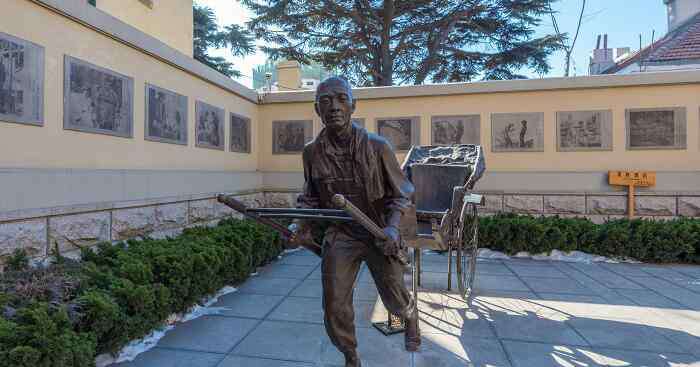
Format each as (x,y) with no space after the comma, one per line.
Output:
(122,292)
(676,240)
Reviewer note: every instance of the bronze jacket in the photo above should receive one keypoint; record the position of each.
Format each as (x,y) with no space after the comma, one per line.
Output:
(366,172)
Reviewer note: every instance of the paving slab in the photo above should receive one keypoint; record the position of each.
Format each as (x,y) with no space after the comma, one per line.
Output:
(375,350)
(687,298)
(443,350)
(556,285)
(310,310)
(536,271)
(606,277)
(528,354)
(289,341)
(299,259)
(236,361)
(286,271)
(523,320)
(269,286)
(450,314)
(159,357)
(500,283)
(309,288)
(208,334)
(247,305)
(648,298)
(623,334)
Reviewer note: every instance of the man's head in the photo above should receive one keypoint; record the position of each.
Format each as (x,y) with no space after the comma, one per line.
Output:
(334,103)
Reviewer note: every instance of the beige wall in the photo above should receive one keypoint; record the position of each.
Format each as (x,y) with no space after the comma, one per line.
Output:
(50,146)
(168,20)
(549,102)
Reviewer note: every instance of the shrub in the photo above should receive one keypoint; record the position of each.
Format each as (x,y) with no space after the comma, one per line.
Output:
(123,292)
(675,240)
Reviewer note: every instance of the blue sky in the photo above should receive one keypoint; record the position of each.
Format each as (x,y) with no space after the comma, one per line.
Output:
(622,20)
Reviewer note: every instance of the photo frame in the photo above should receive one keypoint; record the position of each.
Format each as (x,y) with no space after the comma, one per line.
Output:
(21,81)
(656,128)
(517,132)
(401,132)
(166,117)
(584,131)
(239,134)
(97,100)
(209,126)
(290,136)
(450,130)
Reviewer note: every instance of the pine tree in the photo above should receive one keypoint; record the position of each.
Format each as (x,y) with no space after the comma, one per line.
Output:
(207,34)
(386,42)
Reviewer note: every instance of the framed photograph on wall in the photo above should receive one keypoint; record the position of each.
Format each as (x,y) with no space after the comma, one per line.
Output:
(240,135)
(166,116)
(584,131)
(655,128)
(209,126)
(449,130)
(97,100)
(21,81)
(517,132)
(401,132)
(289,137)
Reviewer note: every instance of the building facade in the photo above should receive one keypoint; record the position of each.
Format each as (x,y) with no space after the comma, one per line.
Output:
(108,133)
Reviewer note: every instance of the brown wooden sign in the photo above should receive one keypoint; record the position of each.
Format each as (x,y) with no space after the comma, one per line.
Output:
(631,179)
(636,178)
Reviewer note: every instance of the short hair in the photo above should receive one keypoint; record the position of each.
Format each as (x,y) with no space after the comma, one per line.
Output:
(335,79)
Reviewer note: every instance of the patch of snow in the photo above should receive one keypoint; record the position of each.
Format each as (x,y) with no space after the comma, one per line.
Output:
(555,255)
(136,347)
(485,253)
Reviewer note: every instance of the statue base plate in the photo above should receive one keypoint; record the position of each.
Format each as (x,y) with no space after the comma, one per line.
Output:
(393,325)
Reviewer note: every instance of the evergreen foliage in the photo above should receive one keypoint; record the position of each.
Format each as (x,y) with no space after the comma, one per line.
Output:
(207,34)
(645,240)
(121,292)
(386,42)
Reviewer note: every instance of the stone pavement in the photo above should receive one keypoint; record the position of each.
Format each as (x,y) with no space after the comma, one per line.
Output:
(525,313)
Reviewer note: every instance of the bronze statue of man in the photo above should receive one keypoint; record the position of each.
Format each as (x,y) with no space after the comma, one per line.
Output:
(346,159)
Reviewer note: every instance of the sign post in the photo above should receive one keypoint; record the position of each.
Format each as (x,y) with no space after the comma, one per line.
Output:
(631,179)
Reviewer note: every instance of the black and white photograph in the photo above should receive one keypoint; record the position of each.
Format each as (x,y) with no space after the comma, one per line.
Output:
(97,100)
(656,128)
(450,130)
(21,81)
(401,132)
(359,122)
(517,132)
(209,126)
(166,114)
(289,137)
(239,134)
(584,131)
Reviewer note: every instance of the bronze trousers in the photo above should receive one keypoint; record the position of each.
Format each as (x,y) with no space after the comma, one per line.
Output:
(342,257)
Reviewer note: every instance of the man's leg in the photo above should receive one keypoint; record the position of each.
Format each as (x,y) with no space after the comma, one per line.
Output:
(388,276)
(342,257)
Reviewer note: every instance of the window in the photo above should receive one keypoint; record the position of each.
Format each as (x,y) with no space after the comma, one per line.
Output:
(92,2)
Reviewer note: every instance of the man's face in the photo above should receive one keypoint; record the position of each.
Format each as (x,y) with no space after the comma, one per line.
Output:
(335,105)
